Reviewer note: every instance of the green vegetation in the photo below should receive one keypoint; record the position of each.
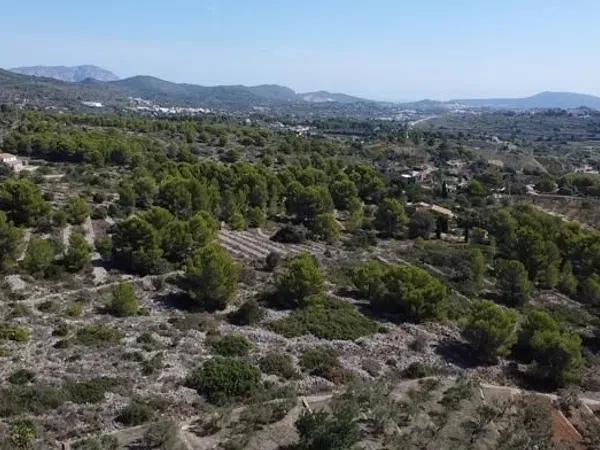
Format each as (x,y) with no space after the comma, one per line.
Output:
(39,259)
(124,301)
(98,336)
(77,210)
(23,202)
(404,290)
(13,333)
(300,279)
(231,345)
(211,278)
(390,217)
(280,364)
(39,399)
(326,318)
(79,254)
(249,313)
(323,362)
(135,413)
(491,330)
(223,380)
(513,283)
(10,241)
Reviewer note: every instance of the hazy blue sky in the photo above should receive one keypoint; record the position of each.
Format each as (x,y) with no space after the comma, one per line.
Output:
(387,49)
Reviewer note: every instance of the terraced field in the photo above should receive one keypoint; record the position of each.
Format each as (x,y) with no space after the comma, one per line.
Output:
(256,244)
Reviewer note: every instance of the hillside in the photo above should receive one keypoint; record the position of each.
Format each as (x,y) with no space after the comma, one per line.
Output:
(543,100)
(324,97)
(72,74)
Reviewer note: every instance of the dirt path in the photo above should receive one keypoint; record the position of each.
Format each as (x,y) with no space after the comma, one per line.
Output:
(26,239)
(66,235)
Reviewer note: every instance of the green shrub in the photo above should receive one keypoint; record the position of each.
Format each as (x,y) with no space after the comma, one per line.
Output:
(21,376)
(280,364)
(325,431)
(211,278)
(224,379)
(231,345)
(513,282)
(390,217)
(79,253)
(98,336)
(326,228)
(193,321)
(249,313)
(421,370)
(491,330)
(74,310)
(29,399)
(406,290)
(124,302)
(272,261)
(327,318)
(104,442)
(39,258)
(13,333)
(153,365)
(61,330)
(557,357)
(89,391)
(301,278)
(136,413)
(162,435)
(323,362)
(23,433)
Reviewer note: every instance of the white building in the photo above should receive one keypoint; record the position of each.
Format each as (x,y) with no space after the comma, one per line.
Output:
(11,161)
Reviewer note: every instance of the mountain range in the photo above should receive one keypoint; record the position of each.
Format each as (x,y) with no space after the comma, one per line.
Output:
(69,86)
(64,73)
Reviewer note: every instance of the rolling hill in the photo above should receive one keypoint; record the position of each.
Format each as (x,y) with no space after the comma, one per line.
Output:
(543,100)
(47,91)
(72,74)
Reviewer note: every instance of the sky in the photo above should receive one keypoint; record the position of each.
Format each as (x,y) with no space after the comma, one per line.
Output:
(379,49)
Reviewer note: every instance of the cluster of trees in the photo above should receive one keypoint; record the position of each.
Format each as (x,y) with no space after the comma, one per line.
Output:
(148,242)
(554,354)
(580,184)
(23,202)
(76,145)
(553,254)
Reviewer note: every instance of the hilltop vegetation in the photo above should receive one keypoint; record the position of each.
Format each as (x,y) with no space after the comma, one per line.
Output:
(159,269)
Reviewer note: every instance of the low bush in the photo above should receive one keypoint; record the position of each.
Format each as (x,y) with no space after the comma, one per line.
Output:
(279,364)
(135,413)
(23,433)
(21,376)
(325,431)
(249,313)
(230,345)
(89,391)
(104,442)
(74,310)
(162,435)
(222,380)
(13,333)
(323,362)
(98,336)
(124,302)
(193,321)
(327,318)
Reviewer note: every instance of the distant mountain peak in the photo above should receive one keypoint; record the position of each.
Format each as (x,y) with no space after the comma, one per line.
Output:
(73,74)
